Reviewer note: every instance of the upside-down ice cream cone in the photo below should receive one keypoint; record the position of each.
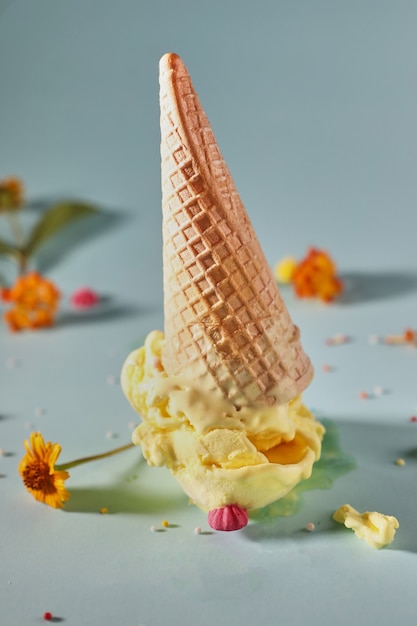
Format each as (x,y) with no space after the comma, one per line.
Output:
(224,315)
(220,392)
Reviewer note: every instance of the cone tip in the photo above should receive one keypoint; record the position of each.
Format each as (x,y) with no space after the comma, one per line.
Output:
(168,61)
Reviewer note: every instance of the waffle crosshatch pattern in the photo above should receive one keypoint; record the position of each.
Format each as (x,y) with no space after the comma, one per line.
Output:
(224,314)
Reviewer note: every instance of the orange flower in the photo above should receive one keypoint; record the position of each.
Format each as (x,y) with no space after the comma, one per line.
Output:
(35,301)
(43,478)
(11,194)
(40,476)
(315,277)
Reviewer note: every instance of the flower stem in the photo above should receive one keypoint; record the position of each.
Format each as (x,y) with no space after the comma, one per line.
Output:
(16,229)
(22,263)
(95,457)
(19,240)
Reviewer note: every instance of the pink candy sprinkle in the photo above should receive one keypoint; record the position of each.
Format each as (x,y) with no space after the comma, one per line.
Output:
(84,298)
(227,518)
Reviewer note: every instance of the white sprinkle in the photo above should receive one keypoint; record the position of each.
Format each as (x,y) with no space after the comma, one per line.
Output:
(153,529)
(132,425)
(198,530)
(111,379)
(12,362)
(373,339)
(39,411)
(111,435)
(310,527)
(378,391)
(2,452)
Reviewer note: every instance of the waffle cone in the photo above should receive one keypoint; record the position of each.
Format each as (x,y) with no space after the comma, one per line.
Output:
(225,319)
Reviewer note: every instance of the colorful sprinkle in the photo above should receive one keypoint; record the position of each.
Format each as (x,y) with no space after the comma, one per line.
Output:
(326,368)
(84,298)
(337,339)
(363,395)
(47,616)
(310,527)
(400,462)
(409,336)
(165,523)
(104,510)
(413,418)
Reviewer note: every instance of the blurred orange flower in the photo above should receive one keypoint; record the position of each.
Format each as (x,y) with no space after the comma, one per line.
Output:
(315,277)
(35,302)
(11,194)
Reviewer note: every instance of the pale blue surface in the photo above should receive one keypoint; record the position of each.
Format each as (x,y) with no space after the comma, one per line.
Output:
(314,107)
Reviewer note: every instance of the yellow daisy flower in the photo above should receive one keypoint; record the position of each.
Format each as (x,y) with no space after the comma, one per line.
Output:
(40,476)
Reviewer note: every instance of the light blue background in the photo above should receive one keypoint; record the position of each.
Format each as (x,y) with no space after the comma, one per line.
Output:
(314,107)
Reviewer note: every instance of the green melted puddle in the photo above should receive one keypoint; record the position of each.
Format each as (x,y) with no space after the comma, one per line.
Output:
(332,464)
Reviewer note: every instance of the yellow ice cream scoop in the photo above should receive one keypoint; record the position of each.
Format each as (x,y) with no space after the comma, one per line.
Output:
(228,461)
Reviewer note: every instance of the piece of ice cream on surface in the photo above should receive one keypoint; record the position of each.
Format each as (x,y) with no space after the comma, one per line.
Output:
(219,391)
(377,529)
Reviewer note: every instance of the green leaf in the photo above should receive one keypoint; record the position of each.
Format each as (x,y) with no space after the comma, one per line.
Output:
(53,220)
(8,248)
